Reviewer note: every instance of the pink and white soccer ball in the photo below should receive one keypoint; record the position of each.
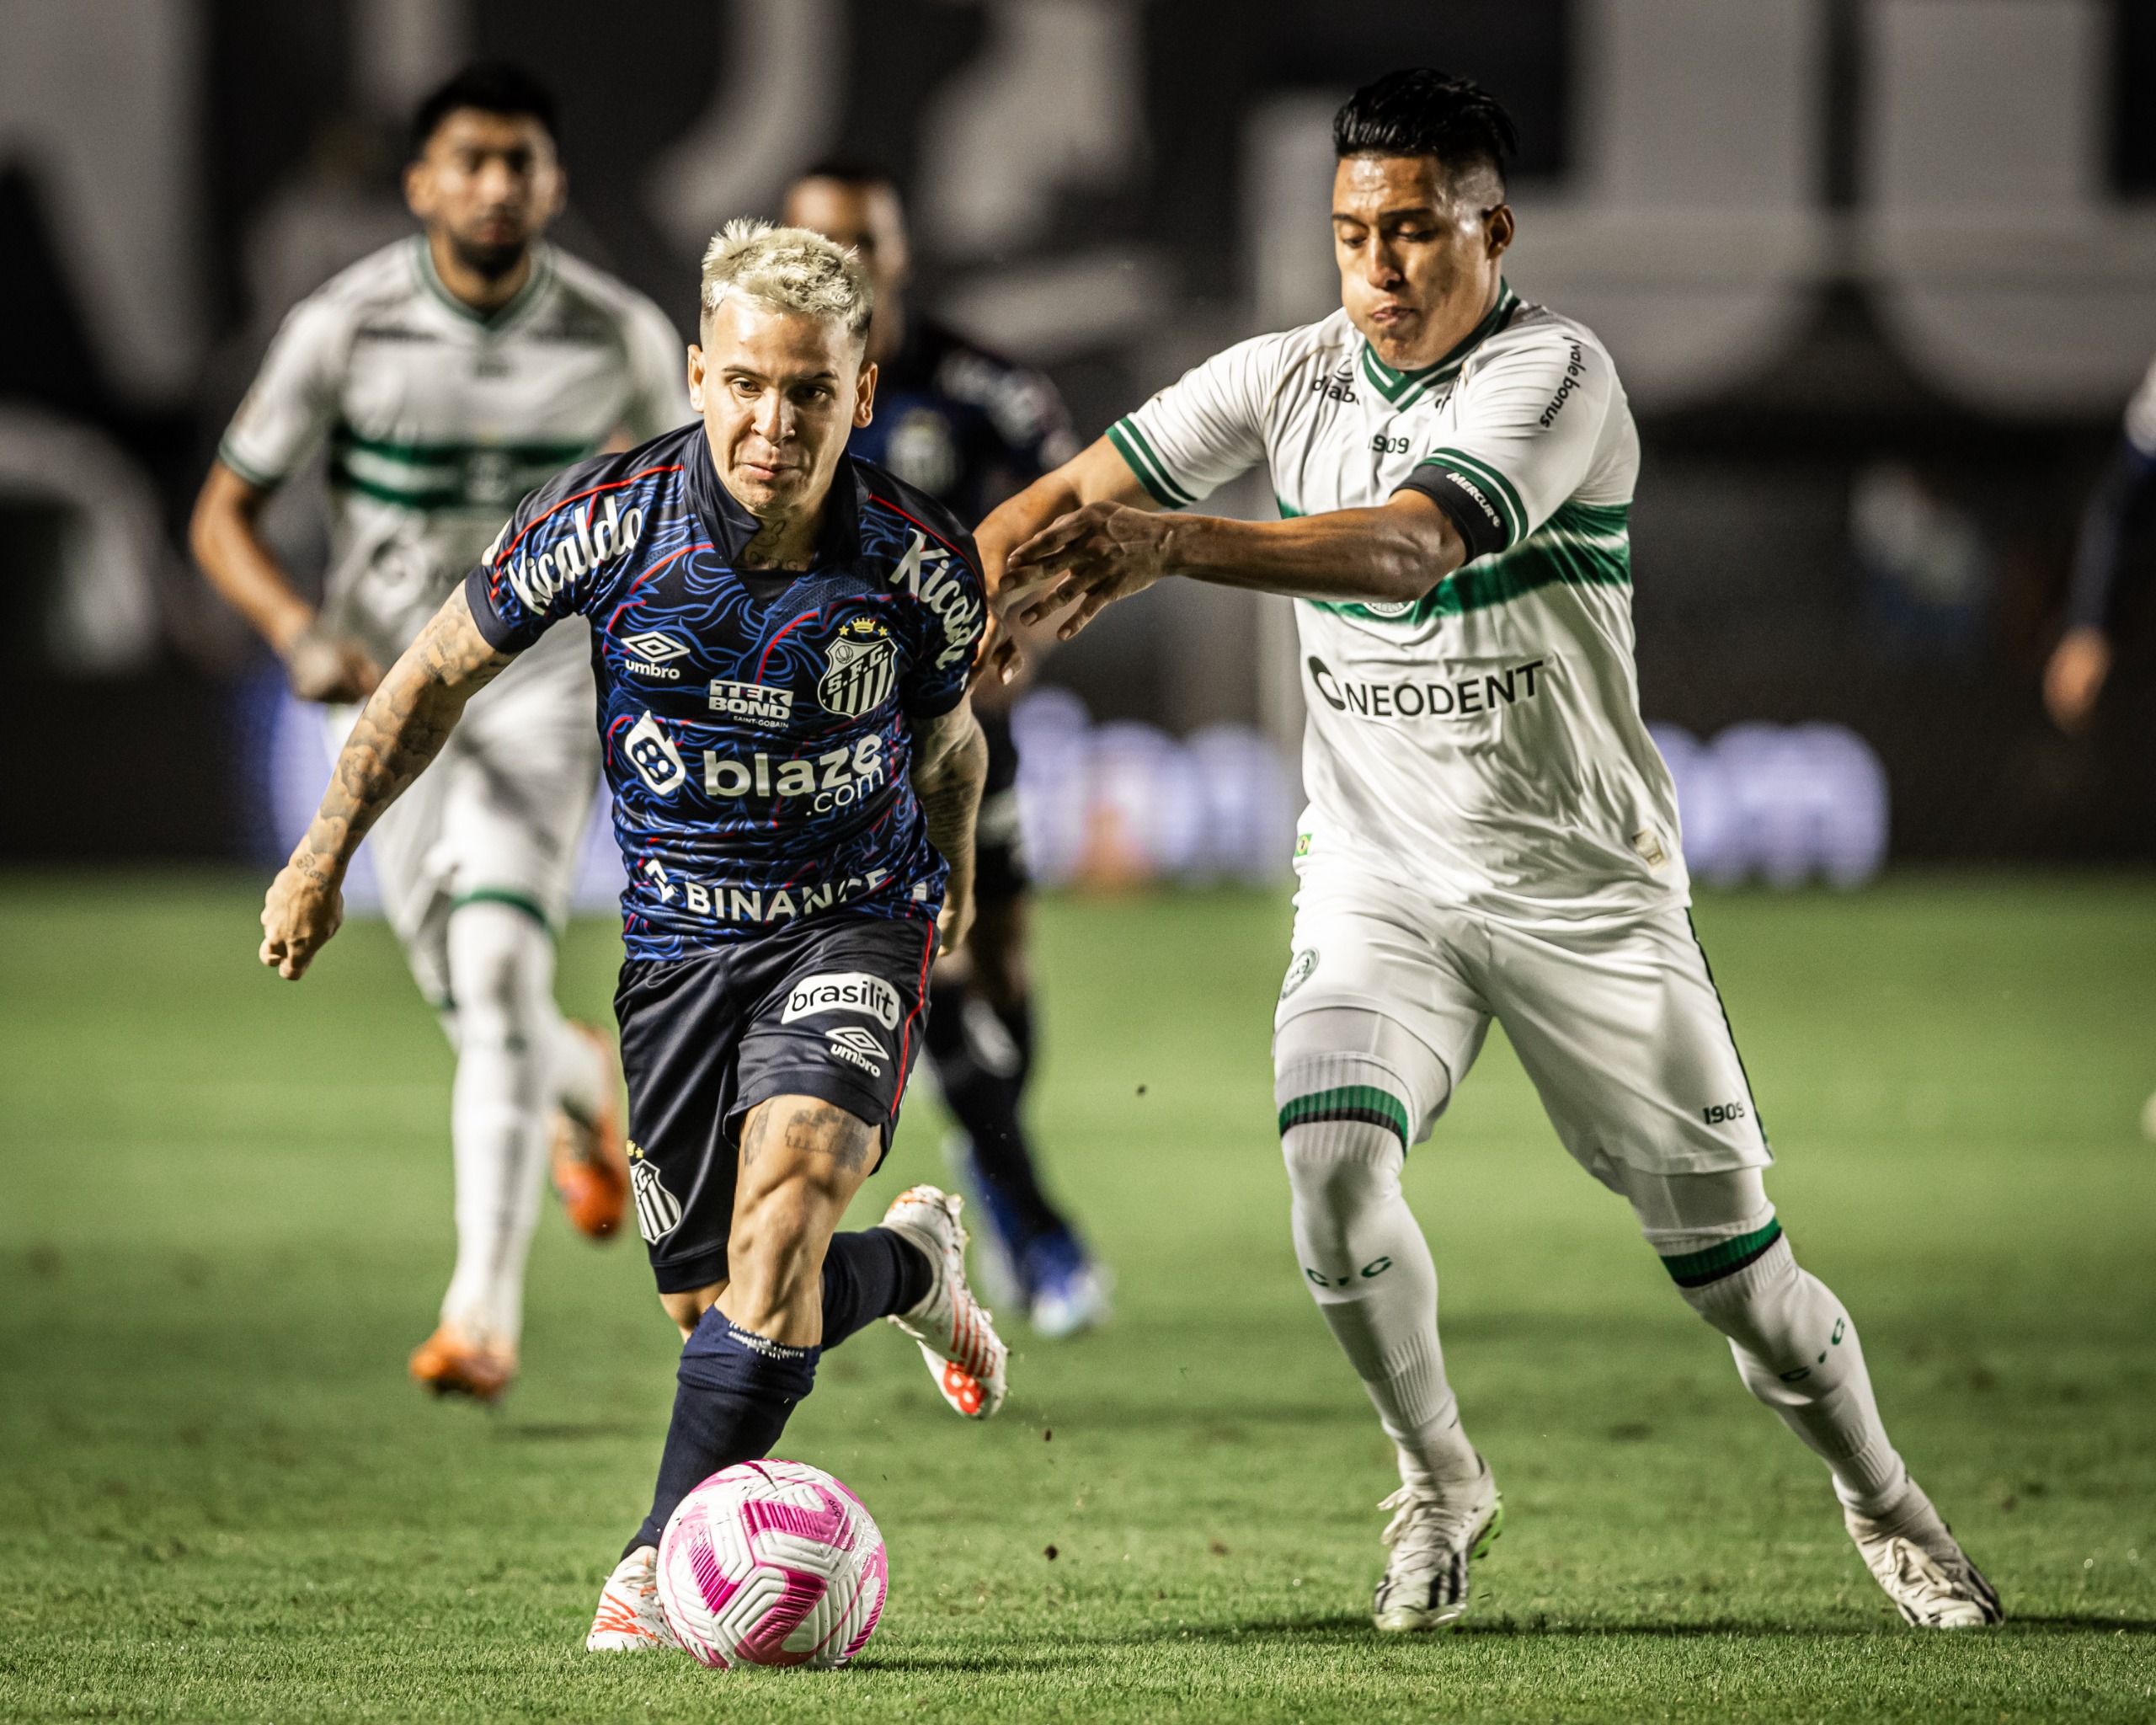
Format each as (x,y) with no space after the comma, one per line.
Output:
(772,1563)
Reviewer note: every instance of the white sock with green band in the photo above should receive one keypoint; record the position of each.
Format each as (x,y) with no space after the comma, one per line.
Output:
(501,966)
(1344,1122)
(1798,1350)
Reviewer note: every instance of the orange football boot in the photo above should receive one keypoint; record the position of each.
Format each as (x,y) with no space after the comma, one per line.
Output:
(591,1165)
(451,1363)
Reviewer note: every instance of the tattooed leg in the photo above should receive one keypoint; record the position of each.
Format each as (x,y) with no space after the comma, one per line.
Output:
(751,1356)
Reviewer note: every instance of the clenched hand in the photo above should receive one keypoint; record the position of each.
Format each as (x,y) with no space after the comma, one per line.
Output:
(299,915)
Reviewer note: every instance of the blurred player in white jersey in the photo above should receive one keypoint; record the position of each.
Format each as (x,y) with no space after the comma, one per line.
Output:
(450,374)
(1490,833)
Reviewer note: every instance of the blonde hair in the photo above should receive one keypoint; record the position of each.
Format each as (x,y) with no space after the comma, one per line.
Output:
(787,269)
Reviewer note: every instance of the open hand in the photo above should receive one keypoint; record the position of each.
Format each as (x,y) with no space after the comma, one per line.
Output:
(299,915)
(325,667)
(1085,560)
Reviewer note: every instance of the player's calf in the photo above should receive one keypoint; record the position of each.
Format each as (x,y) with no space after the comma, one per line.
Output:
(1796,1349)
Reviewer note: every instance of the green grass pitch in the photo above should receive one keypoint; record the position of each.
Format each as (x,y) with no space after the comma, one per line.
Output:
(224,1219)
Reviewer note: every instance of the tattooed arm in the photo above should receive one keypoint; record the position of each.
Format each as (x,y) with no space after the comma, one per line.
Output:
(950,764)
(403,728)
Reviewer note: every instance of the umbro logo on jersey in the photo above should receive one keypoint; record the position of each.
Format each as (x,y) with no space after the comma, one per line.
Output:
(653,649)
(864,669)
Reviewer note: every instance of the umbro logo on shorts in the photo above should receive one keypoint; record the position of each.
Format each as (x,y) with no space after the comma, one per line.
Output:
(857,1048)
(843,991)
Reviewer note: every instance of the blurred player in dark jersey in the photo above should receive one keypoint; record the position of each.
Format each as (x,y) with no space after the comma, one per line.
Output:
(970,428)
(2081,663)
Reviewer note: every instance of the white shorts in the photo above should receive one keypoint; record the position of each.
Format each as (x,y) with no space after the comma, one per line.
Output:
(498,816)
(1621,1029)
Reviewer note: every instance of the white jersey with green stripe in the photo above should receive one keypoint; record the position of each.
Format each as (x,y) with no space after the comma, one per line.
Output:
(1482,746)
(439,419)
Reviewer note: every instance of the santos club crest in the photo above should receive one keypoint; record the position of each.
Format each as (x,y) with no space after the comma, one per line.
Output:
(864,664)
(659,1212)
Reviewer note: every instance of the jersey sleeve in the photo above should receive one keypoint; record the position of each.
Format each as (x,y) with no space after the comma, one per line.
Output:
(545,563)
(947,618)
(1525,424)
(294,397)
(659,394)
(1203,430)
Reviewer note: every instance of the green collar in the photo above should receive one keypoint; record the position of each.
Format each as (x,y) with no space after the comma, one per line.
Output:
(1402,388)
(500,318)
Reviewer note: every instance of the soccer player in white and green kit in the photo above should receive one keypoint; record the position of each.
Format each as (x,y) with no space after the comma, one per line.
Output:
(1490,833)
(448,374)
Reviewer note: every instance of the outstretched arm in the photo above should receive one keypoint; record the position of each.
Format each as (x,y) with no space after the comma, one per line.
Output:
(1100,548)
(950,765)
(402,728)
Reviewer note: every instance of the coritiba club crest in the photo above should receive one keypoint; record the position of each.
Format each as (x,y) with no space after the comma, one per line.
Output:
(864,664)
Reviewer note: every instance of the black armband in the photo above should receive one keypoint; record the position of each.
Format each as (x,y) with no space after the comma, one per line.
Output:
(1473,512)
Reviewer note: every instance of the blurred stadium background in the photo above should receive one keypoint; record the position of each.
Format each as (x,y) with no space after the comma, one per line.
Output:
(1879,275)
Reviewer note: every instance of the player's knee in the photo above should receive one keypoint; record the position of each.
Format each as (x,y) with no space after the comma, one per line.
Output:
(497,960)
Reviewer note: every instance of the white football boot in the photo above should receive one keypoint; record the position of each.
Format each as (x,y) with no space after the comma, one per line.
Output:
(630,1620)
(958,1338)
(1433,1540)
(1913,1555)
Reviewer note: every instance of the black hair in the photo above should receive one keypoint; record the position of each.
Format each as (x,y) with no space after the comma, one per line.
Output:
(492,87)
(848,170)
(1420,111)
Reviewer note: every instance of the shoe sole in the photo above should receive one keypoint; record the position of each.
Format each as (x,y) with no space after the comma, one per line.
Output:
(1408,1622)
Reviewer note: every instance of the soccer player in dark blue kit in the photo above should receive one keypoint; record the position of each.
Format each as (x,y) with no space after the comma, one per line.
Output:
(783,638)
(970,428)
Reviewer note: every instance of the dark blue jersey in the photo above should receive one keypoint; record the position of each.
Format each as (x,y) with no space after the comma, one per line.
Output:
(961,423)
(755,722)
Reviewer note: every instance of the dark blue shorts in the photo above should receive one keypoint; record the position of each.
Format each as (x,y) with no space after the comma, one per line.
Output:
(830,1008)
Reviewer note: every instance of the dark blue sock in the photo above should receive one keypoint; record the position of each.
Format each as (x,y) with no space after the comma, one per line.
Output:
(869,1275)
(735,1391)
